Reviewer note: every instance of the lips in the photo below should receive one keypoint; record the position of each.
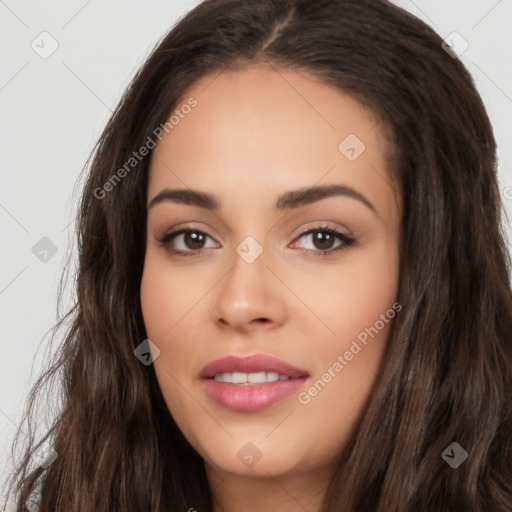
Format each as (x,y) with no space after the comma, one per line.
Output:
(251,364)
(269,380)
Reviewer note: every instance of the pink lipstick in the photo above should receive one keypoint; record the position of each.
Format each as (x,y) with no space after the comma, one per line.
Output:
(251,383)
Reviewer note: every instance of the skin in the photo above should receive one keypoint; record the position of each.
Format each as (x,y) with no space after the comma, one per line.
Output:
(255,134)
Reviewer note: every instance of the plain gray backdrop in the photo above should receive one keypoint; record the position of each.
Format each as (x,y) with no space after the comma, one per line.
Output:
(54,107)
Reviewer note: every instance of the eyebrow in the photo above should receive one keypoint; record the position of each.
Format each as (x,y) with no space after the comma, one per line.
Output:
(287,201)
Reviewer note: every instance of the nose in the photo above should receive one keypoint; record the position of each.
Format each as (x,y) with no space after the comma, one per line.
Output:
(250,297)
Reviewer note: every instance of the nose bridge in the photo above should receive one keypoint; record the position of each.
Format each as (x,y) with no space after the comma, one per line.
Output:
(246,280)
(248,292)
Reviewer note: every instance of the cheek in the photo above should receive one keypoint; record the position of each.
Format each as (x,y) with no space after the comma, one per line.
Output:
(166,296)
(371,289)
(174,307)
(352,295)
(165,300)
(157,304)
(356,304)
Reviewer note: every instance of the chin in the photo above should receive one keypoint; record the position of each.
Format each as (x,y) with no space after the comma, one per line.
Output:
(252,456)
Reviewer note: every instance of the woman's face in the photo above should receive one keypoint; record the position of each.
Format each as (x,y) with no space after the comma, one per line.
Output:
(289,268)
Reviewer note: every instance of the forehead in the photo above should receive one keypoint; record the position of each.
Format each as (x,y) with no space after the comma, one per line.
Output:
(263,129)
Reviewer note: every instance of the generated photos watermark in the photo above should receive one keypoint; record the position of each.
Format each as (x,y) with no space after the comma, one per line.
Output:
(304,397)
(138,156)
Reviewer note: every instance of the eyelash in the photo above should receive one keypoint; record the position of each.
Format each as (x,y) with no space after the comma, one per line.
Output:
(347,241)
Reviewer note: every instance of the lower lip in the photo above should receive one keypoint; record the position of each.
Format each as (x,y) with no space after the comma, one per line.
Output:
(252,397)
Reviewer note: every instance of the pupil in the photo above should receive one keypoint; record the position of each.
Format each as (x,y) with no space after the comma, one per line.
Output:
(194,238)
(322,238)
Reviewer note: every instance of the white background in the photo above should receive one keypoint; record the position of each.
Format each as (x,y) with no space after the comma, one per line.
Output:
(53,111)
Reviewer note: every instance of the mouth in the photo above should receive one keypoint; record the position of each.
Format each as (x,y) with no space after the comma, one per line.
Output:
(251,383)
(250,379)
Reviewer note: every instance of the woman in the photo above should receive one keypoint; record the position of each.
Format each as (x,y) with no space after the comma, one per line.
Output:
(293,291)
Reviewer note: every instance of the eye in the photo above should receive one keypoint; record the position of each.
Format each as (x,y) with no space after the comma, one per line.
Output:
(191,241)
(324,238)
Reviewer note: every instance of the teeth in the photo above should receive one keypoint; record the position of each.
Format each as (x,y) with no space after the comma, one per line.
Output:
(250,378)
(272,376)
(256,378)
(238,378)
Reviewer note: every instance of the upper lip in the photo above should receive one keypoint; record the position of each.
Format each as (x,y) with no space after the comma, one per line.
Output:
(251,364)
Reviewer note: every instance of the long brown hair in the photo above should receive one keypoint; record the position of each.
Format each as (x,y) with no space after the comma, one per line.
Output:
(447,374)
